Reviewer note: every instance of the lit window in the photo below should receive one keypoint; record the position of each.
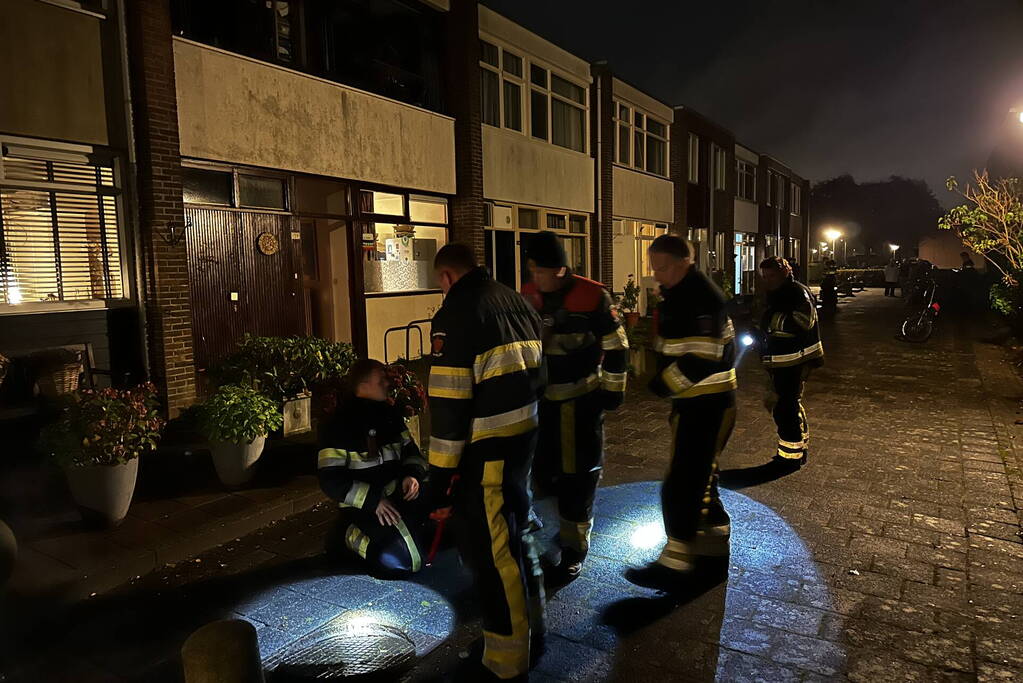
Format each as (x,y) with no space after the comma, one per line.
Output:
(59,227)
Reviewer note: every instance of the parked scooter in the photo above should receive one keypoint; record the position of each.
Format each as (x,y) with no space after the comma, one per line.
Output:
(829,292)
(919,325)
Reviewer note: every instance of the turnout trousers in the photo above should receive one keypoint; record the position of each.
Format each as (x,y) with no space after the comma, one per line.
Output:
(387,549)
(695,521)
(569,463)
(492,505)
(789,414)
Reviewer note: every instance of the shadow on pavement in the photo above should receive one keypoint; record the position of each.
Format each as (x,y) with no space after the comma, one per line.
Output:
(745,477)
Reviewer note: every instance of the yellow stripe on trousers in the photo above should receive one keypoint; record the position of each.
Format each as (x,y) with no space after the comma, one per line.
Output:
(506,655)
(568,437)
(413,551)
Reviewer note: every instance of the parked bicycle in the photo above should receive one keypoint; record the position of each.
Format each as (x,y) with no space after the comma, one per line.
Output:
(919,324)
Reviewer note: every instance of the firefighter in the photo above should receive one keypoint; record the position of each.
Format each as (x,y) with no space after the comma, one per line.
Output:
(484,385)
(585,357)
(694,341)
(370,465)
(793,347)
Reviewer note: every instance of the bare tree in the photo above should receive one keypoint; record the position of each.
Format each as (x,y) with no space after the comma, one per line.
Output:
(990,222)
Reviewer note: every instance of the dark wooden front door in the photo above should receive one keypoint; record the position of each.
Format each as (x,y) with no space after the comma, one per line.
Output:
(235,286)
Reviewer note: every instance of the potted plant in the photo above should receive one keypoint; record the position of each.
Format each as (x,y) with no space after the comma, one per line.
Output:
(408,394)
(288,370)
(236,421)
(628,302)
(98,440)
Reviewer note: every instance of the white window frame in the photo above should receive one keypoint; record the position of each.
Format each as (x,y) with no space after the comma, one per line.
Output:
(527,88)
(796,196)
(542,214)
(720,160)
(627,126)
(52,150)
(694,158)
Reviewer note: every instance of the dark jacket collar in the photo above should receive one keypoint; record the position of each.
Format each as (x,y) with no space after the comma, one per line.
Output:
(473,278)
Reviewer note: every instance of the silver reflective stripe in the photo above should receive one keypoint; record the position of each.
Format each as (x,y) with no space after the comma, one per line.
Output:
(508,358)
(613,381)
(357,494)
(567,390)
(719,381)
(450,382)
(445,452)
(332,457)
(615,341)
(704,347)
(676,381)
(780,359)
(510,423)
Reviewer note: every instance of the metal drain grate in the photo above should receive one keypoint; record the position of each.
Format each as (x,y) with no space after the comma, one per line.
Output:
(362,651)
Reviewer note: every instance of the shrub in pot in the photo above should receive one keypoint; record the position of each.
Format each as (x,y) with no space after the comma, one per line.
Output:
(98,440)
(408,394)
(236,421)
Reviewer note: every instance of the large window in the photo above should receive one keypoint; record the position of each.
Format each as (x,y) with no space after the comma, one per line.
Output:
(720,168)
(776,190)
(641,141)
(509,232)
(745,180)
(389,47)
(401,234)
(59,225)
(245,189)
(694,158)
(796,199)
(557,106)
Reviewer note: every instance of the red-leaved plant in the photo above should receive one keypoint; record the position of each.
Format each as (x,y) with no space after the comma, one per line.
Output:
(407,391)
(104,427)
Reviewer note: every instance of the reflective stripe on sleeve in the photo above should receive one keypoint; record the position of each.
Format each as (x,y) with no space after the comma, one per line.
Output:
(613,381)
(569,390)
(445,452)
(712,384)
(331,457)
(450,382)
(615,341)
(674,379)
(507,358)
(356,495)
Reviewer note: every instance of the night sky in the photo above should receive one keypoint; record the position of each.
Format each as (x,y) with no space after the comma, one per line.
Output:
(873,88)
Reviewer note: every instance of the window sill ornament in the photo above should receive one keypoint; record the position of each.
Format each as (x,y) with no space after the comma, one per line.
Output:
(268,243)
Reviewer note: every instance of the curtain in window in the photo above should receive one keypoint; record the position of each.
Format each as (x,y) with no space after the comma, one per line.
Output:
(568,125)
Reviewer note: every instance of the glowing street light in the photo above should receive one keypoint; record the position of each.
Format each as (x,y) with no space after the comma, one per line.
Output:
(894,248)
(832,235)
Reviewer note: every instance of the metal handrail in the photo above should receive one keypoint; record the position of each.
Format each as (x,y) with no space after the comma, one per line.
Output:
(415,324)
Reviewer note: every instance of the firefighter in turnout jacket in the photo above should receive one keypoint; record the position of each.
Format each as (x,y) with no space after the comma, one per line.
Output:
(484,385)
(585,357)
(370,465)
(694,340)
(791,347)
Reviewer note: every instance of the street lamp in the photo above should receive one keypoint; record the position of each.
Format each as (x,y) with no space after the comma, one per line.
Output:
(832,235)
(894,248)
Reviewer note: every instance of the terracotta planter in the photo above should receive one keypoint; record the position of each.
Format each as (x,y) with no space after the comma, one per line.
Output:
(631,319)
(235,462)
(103,492)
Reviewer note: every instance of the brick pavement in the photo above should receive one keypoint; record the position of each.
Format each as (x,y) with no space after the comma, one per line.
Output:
(895,555)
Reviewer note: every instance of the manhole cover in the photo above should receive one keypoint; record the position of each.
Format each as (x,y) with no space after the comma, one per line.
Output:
(361,651)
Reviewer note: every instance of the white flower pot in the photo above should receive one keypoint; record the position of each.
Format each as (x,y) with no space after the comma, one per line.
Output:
(235,462)
(103,492)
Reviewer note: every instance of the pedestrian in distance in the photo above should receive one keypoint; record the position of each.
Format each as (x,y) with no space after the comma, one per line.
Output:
(585,354)
(891,277)
(369,464)
(695,344)
(791,347)
(483,389)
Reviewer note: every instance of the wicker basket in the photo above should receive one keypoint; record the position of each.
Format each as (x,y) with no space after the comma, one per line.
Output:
(60,380)
(5,363)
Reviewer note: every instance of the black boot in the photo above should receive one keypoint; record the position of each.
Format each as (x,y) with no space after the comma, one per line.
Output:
(702,571)
(789,464)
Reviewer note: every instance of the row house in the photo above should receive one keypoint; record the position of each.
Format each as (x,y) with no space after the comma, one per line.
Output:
(178,173)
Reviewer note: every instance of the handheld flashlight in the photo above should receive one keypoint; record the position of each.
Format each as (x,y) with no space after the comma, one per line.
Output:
(746,339)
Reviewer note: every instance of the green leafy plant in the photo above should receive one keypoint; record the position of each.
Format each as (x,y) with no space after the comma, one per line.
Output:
(628,300)
(238,414)
(104,427)
(285,367)
(990,222)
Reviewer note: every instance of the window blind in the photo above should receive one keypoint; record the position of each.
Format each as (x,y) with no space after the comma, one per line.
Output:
(59,228)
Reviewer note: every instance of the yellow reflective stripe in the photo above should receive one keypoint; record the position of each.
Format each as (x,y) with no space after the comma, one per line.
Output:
(784,359)
(450,382)
(613,381)
(567,390)
(575,535)
(781,335)
(507,358)
(505,655)
(712,384)
(390,487)
(357,494)
(445,452)
(615,341)
(413,550)
(674,379)
(797,445)
(728,334)
(568,437)
(674,556)
(357,541)
(331,457)
(511,423)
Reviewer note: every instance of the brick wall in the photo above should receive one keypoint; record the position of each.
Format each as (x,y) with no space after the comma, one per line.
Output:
(678,171)
(463,87)
(601,108)
(165,280)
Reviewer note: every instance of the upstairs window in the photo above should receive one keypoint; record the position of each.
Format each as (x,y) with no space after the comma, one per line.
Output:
(745,180)
(59,225)
(795,201)
(720,168)
(694,158)
(641,141)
